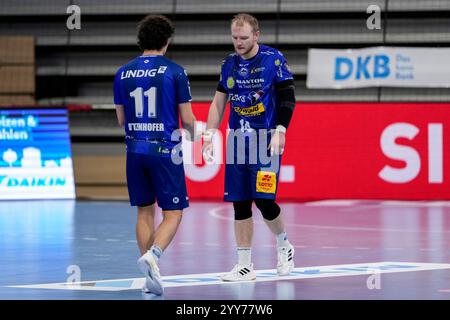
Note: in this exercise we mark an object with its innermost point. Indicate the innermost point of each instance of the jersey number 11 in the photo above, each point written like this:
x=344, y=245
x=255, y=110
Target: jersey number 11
x=139, y=105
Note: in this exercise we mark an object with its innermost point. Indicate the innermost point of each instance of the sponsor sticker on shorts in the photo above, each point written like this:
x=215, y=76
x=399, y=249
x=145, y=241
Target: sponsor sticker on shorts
x=266, y=182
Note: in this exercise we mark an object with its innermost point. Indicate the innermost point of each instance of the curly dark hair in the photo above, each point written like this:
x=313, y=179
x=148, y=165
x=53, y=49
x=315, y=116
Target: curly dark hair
x=154, y=31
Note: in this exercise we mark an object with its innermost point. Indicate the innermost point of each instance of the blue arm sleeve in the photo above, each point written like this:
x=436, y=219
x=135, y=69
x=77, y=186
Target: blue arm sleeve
x=182, y=87
x=118, y=99
x=282, y=69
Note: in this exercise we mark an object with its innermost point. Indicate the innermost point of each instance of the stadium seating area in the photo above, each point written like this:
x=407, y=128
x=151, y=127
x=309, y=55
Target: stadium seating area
x=77, y=66
x=17, y=70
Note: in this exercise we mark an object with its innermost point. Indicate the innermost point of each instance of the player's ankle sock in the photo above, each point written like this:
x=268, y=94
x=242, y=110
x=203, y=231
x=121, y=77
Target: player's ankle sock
x=156, y=252
x=282, y=239
x=244, y=255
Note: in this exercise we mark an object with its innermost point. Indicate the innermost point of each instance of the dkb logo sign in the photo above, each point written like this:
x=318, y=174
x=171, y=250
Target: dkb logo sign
x=363, y=67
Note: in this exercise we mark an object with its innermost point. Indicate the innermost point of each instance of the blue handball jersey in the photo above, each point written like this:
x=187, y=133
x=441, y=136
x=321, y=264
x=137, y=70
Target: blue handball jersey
x=250, y=85
x=150, y=89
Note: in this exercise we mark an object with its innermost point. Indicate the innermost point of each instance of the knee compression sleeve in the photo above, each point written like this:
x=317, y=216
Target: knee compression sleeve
x=269, y=209
x=242, y=209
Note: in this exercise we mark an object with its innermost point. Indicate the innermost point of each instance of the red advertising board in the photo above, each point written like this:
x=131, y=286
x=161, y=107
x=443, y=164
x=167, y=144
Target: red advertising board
x=351, y=151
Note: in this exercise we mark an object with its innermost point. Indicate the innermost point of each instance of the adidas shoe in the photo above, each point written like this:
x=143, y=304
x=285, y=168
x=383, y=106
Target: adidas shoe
x=240, y=273
x=285, y=263
x=153, y=282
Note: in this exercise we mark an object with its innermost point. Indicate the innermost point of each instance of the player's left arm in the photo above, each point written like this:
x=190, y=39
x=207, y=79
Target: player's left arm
x=184, y=98
x=120, y=114
x=118, y=100
x=188, y=119
x=285, y=91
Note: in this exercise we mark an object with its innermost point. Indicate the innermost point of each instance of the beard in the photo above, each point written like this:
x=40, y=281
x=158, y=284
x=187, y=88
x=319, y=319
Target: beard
x=247, y=51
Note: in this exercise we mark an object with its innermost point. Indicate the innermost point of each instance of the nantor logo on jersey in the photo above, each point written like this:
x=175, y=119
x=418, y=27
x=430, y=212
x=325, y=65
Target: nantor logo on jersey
x=250, y=81
x=250, y=111
x=251, y=84
x=142, y=73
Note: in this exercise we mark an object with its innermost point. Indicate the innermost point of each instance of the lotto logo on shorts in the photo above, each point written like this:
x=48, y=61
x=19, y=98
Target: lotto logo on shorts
x=266, y=182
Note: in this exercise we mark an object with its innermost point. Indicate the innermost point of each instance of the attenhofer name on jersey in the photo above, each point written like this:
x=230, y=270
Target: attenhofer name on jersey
x=146, y=126
x=250, y=83
x=142, y=73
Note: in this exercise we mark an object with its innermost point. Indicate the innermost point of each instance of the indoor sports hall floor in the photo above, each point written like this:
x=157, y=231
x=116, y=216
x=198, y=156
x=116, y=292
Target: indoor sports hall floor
x=344, y=250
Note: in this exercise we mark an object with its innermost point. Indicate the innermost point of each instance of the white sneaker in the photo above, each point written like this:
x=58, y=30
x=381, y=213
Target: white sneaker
x=285, y=263
x=240, y=273
x=153, y=282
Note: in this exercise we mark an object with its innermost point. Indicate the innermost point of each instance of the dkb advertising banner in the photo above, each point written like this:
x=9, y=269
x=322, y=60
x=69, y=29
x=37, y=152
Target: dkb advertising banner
x=378, y=66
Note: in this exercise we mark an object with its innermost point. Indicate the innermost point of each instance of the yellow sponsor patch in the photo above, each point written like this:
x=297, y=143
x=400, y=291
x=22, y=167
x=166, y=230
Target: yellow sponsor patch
x=230, y=83
x=266, y=182
x=251, y=111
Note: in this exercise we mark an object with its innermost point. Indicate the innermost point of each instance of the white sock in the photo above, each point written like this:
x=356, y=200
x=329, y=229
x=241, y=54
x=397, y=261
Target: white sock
x=156, y=252
x=282, y=240
x=244, y=255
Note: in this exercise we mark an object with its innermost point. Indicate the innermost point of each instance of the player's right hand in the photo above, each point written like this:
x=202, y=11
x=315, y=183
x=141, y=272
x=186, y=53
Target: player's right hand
x=208, y=151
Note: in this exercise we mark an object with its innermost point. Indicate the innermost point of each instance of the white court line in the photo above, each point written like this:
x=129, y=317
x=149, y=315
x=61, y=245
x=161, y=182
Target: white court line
x=331, y=203
x=377, y=203
x=262, y=276
x=415, y=203
x=215, y=214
